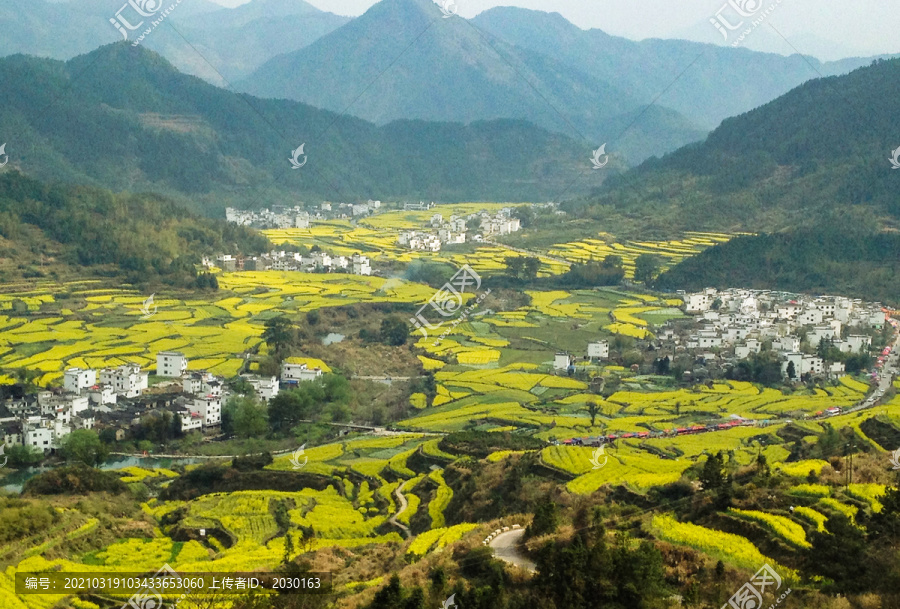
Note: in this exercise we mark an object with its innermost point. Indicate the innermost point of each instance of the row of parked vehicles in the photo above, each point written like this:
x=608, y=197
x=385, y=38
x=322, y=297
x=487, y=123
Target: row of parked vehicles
x=667, y=433
x=684, y=431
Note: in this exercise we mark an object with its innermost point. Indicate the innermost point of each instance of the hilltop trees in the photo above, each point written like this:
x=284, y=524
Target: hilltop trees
x=149, y=238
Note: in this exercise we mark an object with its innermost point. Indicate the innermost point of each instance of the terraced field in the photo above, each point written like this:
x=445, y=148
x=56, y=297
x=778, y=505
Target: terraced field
x=82, y=324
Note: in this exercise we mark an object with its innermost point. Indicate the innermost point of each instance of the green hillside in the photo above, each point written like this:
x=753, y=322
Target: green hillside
x=146, y=238
x=811, y=169
x=123, y=118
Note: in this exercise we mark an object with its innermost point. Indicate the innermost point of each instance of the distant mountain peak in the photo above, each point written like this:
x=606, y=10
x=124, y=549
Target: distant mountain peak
x=410, y=7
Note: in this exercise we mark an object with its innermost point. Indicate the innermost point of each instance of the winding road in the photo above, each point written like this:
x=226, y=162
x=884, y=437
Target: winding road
x=403, y=505
x=506, y=548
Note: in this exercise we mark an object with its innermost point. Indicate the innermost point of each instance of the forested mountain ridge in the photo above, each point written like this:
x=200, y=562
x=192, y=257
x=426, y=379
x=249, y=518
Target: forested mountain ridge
x=143, y=237
x=811, y=171
x=825, y=145
x=123, y=118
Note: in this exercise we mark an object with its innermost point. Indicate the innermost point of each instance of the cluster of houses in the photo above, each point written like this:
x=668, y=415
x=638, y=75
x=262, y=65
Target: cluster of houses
x=455, y=230
x=282, y=216
x=279, y=217
x=724, y=327
x=733, y=324
x=597, y=351
x=314, y=262
x=116, y=398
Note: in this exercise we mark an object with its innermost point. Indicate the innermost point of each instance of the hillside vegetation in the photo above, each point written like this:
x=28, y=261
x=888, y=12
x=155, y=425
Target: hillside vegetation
x=124, y=118
x=144, y=237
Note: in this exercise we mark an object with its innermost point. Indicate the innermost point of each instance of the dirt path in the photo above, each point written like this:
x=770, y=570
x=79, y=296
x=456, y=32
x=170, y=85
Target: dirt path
x=403, y=505
x=506, y=548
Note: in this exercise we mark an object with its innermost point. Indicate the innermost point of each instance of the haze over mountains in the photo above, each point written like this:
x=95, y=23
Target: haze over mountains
x=402, y=60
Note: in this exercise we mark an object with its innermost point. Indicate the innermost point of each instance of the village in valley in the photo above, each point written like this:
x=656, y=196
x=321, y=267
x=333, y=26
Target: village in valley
x=810, y=338
x=115, y=400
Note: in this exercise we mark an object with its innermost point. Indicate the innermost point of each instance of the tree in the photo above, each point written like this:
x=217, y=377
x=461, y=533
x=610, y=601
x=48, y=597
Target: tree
x=663, y=365
x=646, y=268
x=84, y=446
x=279, y=335
x=390, y=596
x=593, y=409
x=514, y=266
x=394, y=331
x=531, y=268
x=288, y=547
x=612, y=261
x=288, y=408
x=609, y=272
x=525, y=215
x=712, y=476
x=839, y=553
x=546, y=519
x=791, y=371
x=246, y=418
x=23, y=456
x=474, y=224
x=241, y=385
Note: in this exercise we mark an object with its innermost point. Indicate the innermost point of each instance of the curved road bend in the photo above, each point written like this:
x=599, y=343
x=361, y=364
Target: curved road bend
x=403, y=505
x=506, y=548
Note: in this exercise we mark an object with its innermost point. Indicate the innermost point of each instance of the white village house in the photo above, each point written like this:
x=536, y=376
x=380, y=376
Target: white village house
x=171, y=364
x=294, y=370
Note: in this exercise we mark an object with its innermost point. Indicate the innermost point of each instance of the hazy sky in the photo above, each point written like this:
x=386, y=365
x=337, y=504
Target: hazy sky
x=828, y=30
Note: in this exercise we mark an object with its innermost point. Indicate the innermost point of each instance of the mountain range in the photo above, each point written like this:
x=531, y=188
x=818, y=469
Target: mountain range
x=123, y=118
x=643, y=98
x=201, y=38
x=823, y=146
x=814, y=174
x=403, y=60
